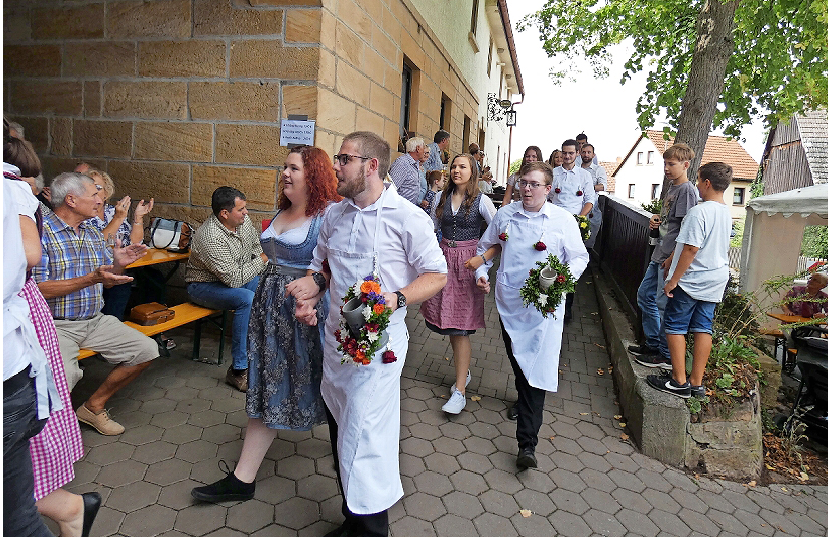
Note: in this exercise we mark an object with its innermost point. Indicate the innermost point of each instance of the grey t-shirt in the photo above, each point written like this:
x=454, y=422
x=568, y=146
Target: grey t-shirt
x=679, y=200
x=706, y=226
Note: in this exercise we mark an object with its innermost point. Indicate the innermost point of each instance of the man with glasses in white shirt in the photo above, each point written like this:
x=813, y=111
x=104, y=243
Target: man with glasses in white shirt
x=572, y=190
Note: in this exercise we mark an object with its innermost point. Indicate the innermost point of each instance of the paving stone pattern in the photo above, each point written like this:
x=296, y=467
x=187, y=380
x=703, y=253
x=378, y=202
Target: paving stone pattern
x=458, y=472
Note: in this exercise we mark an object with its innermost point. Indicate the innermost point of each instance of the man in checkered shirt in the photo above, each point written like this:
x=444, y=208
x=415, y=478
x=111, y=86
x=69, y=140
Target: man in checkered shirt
x=226, y=258
x=74, y=268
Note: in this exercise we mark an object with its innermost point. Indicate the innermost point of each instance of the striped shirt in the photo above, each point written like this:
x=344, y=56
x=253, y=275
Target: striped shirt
x=68, y=255
x=220, y=255
x=405, y=173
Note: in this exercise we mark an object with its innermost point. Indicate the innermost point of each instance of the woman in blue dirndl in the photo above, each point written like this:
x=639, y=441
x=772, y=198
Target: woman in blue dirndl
x=285, y=356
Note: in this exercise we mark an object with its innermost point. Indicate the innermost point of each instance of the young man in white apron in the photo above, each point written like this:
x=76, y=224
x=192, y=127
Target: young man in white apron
x=533, y=342
x=373, y=231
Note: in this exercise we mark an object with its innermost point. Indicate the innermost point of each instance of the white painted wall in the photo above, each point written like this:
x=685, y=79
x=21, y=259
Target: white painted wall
x=643, y=176
x=451, y=22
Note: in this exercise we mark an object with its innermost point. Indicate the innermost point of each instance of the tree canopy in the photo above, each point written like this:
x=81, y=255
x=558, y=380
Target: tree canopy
x=779, y=64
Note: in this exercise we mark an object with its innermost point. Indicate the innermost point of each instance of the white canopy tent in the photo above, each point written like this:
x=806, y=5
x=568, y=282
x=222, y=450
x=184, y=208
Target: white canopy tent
x=773, y=232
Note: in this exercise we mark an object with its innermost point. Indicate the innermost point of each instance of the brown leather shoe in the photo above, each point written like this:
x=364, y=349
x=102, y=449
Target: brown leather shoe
x=237, y=381
x=101, y=422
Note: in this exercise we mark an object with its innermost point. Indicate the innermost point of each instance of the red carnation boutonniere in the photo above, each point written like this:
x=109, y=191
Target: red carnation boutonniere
x=388, y=357
x=503, y=236
x=540, y=246
x=579, y=193
x=561, y=278
x=557, y=190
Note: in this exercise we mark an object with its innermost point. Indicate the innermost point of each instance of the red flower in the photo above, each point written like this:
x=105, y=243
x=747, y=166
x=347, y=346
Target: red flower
x=364, y=299
x=579, y=193
x=388, y=357
x=561, y=278
x=540, y=246
x=503, y=236
x=557, y=190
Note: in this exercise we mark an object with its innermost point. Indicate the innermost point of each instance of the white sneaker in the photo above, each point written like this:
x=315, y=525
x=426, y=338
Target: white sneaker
x=468, y=379
x=456, y=404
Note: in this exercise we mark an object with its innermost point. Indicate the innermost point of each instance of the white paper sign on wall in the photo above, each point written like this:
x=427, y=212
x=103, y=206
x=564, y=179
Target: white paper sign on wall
x=295, y=132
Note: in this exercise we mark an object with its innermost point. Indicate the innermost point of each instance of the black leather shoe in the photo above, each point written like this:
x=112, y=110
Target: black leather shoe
x=512, y=412
x=229, y=489
x=345, y=530
x=526, y=458
x=91, y=504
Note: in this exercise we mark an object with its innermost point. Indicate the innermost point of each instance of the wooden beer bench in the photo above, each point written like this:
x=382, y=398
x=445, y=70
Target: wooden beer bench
x=184, y=314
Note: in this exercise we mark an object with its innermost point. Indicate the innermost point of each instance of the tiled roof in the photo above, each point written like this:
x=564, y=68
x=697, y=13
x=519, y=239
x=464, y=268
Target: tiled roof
x=610, y=167
x=813, y=130
x=720, y=149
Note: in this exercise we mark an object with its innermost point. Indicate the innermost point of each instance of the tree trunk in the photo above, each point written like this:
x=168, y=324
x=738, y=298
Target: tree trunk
x=714, y=47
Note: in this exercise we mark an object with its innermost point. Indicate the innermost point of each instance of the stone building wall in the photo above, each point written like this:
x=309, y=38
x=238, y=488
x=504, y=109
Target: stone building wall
x=176, y=97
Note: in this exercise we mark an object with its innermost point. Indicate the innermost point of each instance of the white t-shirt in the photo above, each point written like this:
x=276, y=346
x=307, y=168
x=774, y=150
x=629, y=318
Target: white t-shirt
x=706, y=226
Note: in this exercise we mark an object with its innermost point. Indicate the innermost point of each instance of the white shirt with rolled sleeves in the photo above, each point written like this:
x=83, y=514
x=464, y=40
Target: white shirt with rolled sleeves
x=570, y=182
x=536, y=341
x=365, y=400
x=598, y=173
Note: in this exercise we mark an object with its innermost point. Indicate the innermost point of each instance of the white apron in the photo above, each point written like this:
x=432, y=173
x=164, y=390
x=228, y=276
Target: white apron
x=536, y=342
x=364, y=400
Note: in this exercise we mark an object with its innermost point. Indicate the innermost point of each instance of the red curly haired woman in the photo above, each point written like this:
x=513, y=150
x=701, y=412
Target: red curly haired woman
x=285, y=356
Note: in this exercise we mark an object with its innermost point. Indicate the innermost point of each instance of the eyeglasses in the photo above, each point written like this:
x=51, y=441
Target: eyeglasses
x=345, y=158
x=533, y=186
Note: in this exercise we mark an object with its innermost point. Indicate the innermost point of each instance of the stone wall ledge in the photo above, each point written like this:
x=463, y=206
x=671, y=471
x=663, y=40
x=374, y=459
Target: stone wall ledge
x=661, y=424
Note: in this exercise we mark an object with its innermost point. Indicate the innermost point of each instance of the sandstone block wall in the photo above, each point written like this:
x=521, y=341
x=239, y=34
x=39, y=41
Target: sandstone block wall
x=171, y=97
x=176, y=97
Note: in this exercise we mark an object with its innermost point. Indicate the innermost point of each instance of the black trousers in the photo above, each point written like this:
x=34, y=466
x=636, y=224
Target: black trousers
x=529, y=402
x=373, y=525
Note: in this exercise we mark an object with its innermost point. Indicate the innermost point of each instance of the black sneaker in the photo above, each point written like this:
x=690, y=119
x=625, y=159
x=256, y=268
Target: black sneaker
x=668, y=385
x=643, y=350
x=655, y=361
x=229, y=489
x=526, y=458
x=698, y=392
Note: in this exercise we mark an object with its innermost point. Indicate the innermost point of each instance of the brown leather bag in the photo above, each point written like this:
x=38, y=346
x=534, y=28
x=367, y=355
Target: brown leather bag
x=150, y=314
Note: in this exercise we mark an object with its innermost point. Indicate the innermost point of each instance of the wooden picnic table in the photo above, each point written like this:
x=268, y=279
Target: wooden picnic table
x=157, y=255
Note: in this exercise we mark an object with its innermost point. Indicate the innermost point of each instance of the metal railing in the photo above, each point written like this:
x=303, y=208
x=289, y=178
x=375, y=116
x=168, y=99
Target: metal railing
x=623, y=249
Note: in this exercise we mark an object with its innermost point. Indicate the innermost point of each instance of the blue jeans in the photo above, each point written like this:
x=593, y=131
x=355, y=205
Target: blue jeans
x=652, y=300
x=217, y=296
x=20, y=517
x=686, y=314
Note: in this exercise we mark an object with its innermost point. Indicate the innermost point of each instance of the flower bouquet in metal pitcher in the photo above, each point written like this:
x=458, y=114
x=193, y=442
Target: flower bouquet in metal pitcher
x=546, y=285
x=584, y=226
x=365, y=316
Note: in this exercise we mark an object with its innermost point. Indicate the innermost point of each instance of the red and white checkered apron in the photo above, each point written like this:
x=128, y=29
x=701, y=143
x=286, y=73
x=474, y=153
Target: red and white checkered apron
x=59, y=444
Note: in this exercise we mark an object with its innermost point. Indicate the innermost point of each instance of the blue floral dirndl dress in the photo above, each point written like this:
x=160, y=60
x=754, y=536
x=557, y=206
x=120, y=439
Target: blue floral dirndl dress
x=285, y=356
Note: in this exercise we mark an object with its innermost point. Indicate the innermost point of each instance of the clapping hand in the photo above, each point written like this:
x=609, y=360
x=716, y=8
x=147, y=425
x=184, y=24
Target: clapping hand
x=142, y=209
x=104, y=275
x=123, y=256
x=122, y=208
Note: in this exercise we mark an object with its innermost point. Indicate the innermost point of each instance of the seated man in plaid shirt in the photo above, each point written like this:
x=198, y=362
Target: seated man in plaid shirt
x=226, y=258
x=74, y=268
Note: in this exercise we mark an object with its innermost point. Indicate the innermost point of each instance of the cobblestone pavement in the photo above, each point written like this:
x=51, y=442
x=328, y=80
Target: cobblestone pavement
x=458, y=472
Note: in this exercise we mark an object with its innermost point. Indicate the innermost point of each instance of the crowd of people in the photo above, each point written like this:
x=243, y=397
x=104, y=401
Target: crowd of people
x=421, y=230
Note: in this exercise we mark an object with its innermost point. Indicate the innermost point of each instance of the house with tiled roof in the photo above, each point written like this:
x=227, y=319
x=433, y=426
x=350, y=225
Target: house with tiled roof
x=796, y=153
x=610, y=166
x=638, y=177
